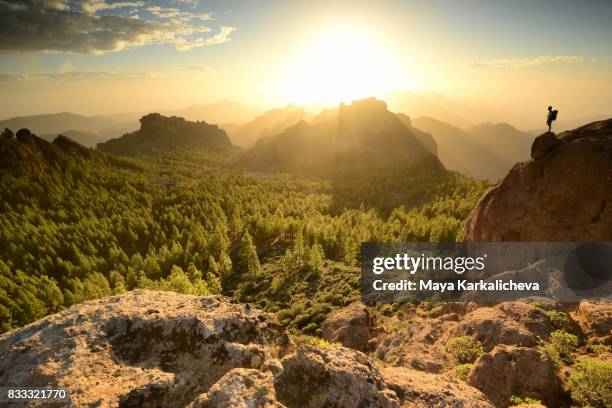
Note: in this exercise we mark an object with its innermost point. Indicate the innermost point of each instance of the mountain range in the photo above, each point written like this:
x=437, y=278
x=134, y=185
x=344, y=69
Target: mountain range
x=486, y=151
x=364, y=132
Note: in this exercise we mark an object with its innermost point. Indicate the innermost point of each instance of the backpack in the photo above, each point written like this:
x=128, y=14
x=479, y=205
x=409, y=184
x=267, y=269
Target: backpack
x=553, y=115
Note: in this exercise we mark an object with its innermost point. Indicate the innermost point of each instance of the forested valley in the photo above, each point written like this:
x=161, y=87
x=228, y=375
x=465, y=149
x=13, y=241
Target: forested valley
x=181, y=220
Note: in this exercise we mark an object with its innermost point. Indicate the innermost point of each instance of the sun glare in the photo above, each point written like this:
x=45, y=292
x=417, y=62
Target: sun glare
x=340, y=65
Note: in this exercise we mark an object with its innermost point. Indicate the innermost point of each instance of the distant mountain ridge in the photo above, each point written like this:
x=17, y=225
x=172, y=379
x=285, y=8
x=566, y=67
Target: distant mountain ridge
x=161, y=132
x=267, y=124
x=86, y=130
x=486, y=151
x=362, y=133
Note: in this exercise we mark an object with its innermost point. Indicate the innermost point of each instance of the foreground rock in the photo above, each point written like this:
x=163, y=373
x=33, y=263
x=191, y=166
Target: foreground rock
x=162, y=349
x=508, y=371
x=331, y=377
x=565, y=195
x=417, y=389
x=141, y=348
x=349, y=326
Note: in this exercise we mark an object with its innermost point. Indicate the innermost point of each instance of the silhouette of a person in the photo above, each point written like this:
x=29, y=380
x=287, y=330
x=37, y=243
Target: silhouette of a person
x=552, y=115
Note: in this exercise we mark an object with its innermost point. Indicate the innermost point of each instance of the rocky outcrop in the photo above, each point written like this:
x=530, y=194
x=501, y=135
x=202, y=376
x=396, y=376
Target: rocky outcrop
x=161, y=132
x=332, y=377
x=28, y=154
x=417, y=389
x=163, y=349
x=544, y=144
x=67, y=145
x=349, y=326
x=140, y=349
x=508, y=371
x=564, y=195
x=596, y=319
x=490, y=326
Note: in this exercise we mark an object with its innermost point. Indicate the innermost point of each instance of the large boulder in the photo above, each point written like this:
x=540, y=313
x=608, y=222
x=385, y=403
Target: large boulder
x=566, y=195
x=520, y=371
x=349, y=326
x=332, y=377
x=143, y=348
x=417, y=389
x=596, y=318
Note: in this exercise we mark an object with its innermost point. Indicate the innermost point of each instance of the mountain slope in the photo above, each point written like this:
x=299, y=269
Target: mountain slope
x=160, y=132
x=363, y=133
x=486, y=151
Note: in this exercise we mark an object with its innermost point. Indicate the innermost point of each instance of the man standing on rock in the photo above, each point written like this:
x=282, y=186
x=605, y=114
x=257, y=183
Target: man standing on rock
x=552, y=116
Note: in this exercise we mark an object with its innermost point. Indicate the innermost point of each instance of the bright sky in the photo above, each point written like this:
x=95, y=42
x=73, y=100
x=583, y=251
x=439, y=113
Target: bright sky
x=106, y=56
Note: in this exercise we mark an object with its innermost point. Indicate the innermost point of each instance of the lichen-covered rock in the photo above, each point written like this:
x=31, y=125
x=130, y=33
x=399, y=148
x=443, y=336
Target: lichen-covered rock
x=349, y=326
x=240, y=388
x=564, y=196
x=142, y=348
x=332, y=377
x=417, y=389
x=508, y=371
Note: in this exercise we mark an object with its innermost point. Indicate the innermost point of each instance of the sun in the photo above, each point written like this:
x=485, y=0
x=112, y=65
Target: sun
x=340, y=65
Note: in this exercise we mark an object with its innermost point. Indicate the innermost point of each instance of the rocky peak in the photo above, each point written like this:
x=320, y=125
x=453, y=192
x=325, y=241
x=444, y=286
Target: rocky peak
x=563, y=194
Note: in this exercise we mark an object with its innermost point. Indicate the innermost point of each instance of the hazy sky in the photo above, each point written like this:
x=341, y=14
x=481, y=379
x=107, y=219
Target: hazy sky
x=105, y=56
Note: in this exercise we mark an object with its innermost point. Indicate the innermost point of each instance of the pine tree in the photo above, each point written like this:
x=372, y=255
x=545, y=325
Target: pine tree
x=248, y=254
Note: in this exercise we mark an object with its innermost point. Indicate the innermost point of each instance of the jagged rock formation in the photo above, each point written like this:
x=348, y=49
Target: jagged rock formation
x=28, y=155
x=363, y=133
x=564, y=195
x=161, y=132
x=162, y=349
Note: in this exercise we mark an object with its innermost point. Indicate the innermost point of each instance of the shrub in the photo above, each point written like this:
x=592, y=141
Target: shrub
x=387, y=310
x=316, y=342
x=601, y=349
x=561, y=320
x=514, y=400
x=462, y=371
x=591, y=383
x=561, y=346
x=464, y=349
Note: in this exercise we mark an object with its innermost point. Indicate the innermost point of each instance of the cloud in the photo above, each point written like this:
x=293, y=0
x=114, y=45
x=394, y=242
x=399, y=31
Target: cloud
x=527, y=62
x=77, y=26
x=95, y=6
